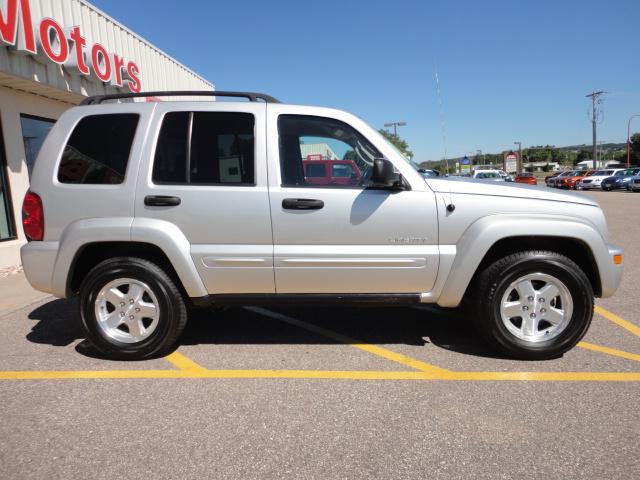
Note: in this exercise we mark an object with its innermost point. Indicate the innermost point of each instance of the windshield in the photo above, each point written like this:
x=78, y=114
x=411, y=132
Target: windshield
x=603, y=172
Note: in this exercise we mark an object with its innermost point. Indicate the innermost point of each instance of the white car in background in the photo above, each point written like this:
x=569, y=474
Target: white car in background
x=596, y=179
x=491, y=175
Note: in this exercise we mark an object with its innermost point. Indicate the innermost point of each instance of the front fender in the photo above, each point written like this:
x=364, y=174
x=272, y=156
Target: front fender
x=478, y=239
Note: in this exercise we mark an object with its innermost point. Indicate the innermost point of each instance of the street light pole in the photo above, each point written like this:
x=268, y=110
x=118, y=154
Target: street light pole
x=629, y=138
x=519, y=166
x=395, y=126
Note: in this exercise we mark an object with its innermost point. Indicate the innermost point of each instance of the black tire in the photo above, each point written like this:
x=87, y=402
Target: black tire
x=492, y=283
x=172, y=312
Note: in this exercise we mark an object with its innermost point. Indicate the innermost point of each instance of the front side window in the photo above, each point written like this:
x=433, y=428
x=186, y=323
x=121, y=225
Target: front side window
x=98, y=150
x=34, y=131
x=205, y=148
x=323, y=152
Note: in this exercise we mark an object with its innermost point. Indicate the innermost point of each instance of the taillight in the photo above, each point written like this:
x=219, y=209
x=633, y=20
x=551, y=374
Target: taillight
x=33, y=216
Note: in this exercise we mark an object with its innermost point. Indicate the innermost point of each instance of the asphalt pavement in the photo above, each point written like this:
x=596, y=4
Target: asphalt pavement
x=323, y=393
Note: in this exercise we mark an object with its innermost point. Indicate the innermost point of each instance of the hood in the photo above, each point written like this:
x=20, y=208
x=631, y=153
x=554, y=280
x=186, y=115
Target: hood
x=506, y=189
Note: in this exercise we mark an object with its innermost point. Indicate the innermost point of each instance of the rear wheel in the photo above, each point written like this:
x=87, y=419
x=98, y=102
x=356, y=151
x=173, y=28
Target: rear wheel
x=533, y=305
x=131, y=309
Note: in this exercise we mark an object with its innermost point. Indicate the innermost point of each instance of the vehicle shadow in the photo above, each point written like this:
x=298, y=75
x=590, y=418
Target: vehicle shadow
x=58, y=324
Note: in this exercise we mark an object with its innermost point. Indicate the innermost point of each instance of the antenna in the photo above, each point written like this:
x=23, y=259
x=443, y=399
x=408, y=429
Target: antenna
x=442, y=127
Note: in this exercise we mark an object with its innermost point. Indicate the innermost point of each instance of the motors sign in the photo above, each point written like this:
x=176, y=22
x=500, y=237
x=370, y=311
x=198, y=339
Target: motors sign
x=48, y=41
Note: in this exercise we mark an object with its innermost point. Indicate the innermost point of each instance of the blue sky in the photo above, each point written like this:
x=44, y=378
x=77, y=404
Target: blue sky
x=509, y=70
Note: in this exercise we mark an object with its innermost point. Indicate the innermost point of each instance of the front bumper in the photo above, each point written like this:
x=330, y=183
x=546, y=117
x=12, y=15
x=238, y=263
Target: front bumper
x=610, y=273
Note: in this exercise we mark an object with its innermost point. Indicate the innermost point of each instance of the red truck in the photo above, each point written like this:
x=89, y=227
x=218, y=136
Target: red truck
x=331, y=172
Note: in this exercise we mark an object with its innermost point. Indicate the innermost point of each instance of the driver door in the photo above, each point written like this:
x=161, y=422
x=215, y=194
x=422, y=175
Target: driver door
x=335, y=236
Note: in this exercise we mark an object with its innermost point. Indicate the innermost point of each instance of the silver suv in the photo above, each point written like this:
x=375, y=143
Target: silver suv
x=145, y=209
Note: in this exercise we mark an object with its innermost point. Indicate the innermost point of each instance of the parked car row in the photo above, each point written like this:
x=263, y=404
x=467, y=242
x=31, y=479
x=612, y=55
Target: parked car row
x=605, y=179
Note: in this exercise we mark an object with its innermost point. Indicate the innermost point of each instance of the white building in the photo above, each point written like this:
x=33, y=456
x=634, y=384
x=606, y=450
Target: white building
x=53, y=53
x=599, y=164
x=321, y=149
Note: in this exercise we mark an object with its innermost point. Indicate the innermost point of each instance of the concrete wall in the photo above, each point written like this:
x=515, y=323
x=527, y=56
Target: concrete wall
x=12, y=104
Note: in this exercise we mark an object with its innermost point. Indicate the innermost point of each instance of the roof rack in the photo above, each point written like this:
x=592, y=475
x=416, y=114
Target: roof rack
x=252, y=96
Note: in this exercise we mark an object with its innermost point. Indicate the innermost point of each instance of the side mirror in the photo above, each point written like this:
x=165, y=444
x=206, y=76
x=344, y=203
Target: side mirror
x=384, y=176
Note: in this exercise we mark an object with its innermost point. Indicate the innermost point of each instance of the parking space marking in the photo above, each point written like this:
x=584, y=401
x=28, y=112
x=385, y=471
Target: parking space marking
x=182, y=362
x=609, y=351
x=367, y=347
x=618, y=320
x=325, y=374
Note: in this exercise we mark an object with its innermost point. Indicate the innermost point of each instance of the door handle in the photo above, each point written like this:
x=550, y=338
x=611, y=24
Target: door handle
x=161, y=201
x=302, y=204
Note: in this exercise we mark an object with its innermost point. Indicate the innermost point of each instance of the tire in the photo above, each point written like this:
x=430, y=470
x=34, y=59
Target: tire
x=497, y=300
x=116, y=295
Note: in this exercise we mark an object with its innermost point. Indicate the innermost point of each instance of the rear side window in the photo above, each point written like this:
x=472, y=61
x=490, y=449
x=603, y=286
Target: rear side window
x=98, y=150
x=205, y=148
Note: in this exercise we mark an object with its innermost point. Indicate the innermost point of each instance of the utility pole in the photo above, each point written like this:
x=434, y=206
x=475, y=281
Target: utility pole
x=629, y=139
x=595, y=101
x=395, y=126
x=519, y=166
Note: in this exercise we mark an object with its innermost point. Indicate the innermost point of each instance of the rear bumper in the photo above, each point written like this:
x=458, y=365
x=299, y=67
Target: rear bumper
x=38, y=261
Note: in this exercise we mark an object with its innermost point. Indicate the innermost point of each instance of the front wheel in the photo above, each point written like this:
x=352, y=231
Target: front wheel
x=131, y=309
x=533, y=305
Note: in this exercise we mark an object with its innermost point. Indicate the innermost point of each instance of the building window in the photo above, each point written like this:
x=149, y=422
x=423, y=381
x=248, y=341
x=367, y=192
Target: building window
x=7, y=229
x=34, y=131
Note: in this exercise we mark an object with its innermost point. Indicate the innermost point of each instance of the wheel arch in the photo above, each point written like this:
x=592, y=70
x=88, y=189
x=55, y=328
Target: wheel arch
x=485, y=242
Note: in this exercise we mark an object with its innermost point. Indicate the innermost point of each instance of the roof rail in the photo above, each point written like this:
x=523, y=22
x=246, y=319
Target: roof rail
x=252, y=96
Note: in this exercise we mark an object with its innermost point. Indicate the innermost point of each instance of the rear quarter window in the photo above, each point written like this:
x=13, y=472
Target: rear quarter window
x=98, y=150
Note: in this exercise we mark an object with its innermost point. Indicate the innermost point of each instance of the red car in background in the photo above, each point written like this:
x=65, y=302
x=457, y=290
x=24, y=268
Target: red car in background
x=572, y=181
x=331, y=172
x=528, y=178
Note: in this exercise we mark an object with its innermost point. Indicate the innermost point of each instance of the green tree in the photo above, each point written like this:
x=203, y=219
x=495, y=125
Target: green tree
x=400, y=144
x=349, y=155
x=635, y=149
x=582, y=155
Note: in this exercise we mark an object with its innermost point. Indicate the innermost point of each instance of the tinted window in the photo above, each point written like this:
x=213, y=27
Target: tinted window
x=306, y=138
x=98, y=150
x=206, y=148
x=170, y=164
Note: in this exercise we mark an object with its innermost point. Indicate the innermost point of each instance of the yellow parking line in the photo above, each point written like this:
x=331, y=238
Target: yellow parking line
x=617, y=320
x=325, y=374
x=374, y=349
x=181, y=362
x=610, y=351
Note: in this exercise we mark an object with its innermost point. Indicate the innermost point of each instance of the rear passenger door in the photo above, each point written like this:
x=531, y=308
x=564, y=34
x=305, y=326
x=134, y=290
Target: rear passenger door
x=210, y=162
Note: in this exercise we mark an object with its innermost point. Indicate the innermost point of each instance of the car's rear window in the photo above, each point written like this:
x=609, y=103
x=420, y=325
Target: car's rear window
x=98, y=150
